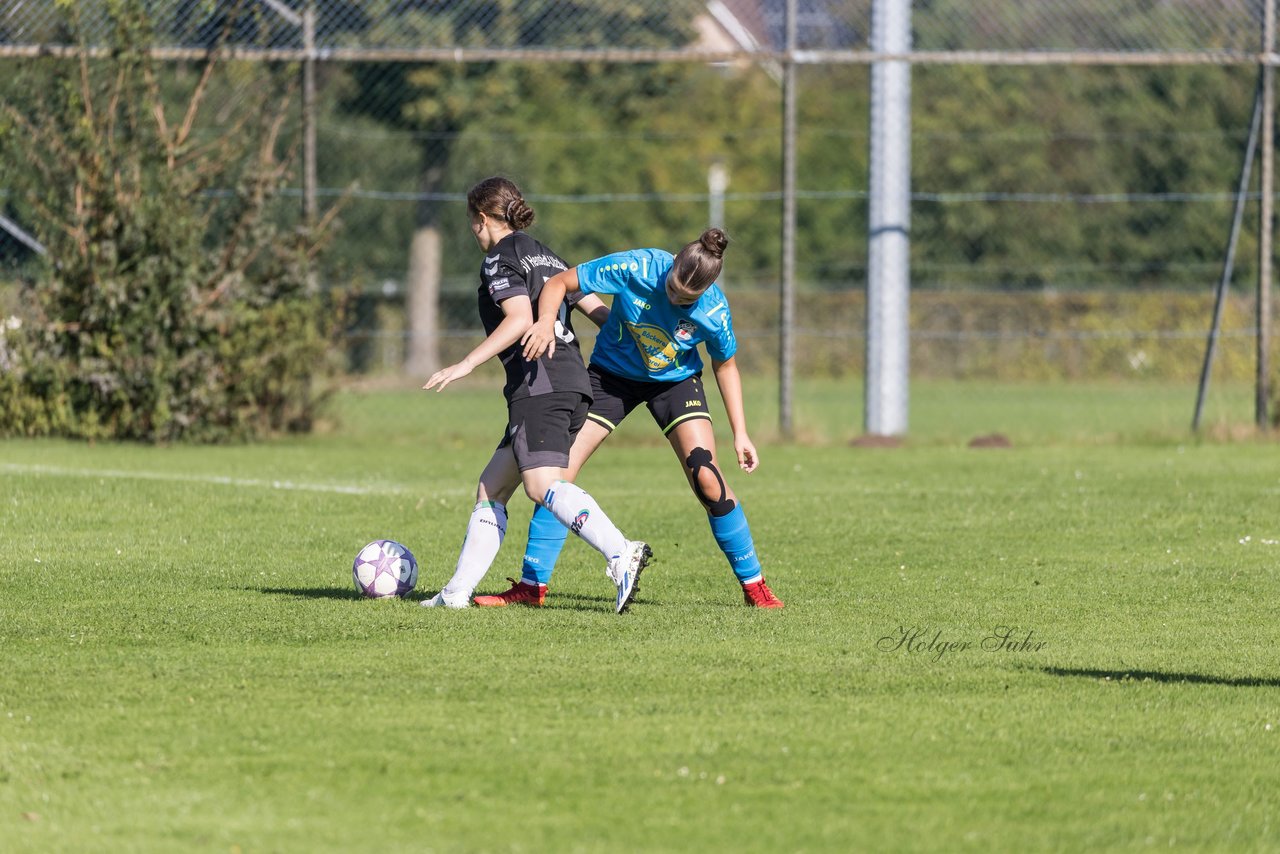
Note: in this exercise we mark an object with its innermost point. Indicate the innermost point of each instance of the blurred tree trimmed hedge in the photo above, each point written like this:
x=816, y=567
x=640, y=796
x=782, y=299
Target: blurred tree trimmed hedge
x=166, y=312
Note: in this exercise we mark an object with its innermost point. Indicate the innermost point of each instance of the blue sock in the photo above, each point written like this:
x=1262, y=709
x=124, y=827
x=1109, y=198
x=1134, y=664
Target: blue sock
x=733, y=535
x=546, y=539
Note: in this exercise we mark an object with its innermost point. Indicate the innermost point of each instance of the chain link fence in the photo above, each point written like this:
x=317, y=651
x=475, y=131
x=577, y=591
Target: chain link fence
x=1211, y=28
x=1074, y=164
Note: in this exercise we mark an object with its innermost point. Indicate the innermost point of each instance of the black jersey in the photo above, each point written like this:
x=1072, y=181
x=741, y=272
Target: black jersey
x=519, y=266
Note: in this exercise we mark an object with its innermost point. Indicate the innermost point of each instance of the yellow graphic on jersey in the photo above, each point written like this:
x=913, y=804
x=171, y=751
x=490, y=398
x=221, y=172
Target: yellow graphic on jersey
x=655, y=345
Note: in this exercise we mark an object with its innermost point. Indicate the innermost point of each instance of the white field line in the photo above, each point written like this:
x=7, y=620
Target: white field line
x=217, y=480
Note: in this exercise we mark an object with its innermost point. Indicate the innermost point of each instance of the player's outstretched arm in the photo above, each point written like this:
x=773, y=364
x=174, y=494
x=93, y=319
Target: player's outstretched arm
x=594, y=308
x=541, y=337
x=730, y=382
x=518, y=317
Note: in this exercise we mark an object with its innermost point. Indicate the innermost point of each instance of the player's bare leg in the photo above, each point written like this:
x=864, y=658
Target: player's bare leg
x=695, y=440
x=586, y=443
x=694, y=443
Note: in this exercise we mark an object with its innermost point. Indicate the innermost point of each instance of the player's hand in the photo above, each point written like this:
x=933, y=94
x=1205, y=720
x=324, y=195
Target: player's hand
x=444, y=376
x=540, y=338
x=746, y=451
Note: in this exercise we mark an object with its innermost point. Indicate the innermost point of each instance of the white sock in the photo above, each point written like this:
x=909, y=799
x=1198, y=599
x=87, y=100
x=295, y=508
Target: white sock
x=580, y=513
x=485, y=530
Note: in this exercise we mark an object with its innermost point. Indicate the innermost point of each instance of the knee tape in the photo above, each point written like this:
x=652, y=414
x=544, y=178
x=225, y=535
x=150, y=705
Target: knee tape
x=721, y=505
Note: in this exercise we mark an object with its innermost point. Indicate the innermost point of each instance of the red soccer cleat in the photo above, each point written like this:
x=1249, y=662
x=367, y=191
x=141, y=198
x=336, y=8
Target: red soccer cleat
x=519, y=594
x=757, y=594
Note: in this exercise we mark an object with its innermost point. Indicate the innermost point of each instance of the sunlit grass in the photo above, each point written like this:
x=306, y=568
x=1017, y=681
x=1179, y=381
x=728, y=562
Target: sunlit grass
x=186, y=665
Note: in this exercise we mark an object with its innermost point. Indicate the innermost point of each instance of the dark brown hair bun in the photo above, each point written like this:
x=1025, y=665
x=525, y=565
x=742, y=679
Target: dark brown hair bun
x=500, y=198
x=714, y=240
x=696, y=266
x=519, y=214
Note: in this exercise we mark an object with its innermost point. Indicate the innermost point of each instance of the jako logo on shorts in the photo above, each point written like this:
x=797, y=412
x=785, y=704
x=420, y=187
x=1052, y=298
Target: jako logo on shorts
x=579, y=521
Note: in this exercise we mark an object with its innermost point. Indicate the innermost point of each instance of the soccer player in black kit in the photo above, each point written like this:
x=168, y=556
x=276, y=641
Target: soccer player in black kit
x=547, y=401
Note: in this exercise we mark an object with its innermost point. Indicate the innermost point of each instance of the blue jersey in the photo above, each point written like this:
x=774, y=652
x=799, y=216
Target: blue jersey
x=646, y=337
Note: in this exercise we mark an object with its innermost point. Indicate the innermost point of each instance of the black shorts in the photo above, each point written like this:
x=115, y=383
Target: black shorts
x=541, y=428
x=613, y=398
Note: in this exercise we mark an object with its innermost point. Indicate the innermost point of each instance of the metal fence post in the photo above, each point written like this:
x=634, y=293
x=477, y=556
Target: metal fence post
x=787, y=307
x=1229, y=264
x=1266, y=216
x=310, y=208
x=889, y=219
x=717, y=183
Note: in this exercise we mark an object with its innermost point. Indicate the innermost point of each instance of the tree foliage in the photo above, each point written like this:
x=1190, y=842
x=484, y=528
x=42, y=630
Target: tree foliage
x=173, y=305
x=617, y=155
x=640, y=140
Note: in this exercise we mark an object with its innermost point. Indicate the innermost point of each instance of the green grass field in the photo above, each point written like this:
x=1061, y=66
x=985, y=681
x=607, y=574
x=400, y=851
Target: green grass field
x=186, y=667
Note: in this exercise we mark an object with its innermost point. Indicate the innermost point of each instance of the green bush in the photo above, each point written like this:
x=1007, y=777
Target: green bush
x=174, y=305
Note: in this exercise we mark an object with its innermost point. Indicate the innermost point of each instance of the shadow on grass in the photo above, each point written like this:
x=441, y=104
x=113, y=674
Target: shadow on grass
x=307, y=592
x=588, y=604
x=561, y=601
x=1162, y=676
x=556, y=602
x=579, y=602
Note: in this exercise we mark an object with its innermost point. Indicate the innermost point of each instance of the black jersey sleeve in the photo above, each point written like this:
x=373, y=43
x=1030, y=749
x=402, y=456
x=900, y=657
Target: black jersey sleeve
x=502, y=276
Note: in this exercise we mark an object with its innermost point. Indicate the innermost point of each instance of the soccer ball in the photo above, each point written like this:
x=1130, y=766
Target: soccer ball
x=384, y=568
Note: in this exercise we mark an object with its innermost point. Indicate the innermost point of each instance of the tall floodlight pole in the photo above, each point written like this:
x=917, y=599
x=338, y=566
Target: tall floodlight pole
x=889, y=220
x=787, y=303
x=1266, y=213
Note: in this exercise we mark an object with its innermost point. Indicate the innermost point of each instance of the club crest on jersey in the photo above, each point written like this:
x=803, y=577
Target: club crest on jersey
x=655, y=346
x=685, y=330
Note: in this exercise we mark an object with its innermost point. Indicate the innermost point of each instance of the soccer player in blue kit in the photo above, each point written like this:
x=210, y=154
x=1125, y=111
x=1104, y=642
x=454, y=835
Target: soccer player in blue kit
x=664, y=306
x=547, y=398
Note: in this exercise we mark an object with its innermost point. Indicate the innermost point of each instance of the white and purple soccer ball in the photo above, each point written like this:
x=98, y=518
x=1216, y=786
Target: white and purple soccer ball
x=383, y=569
